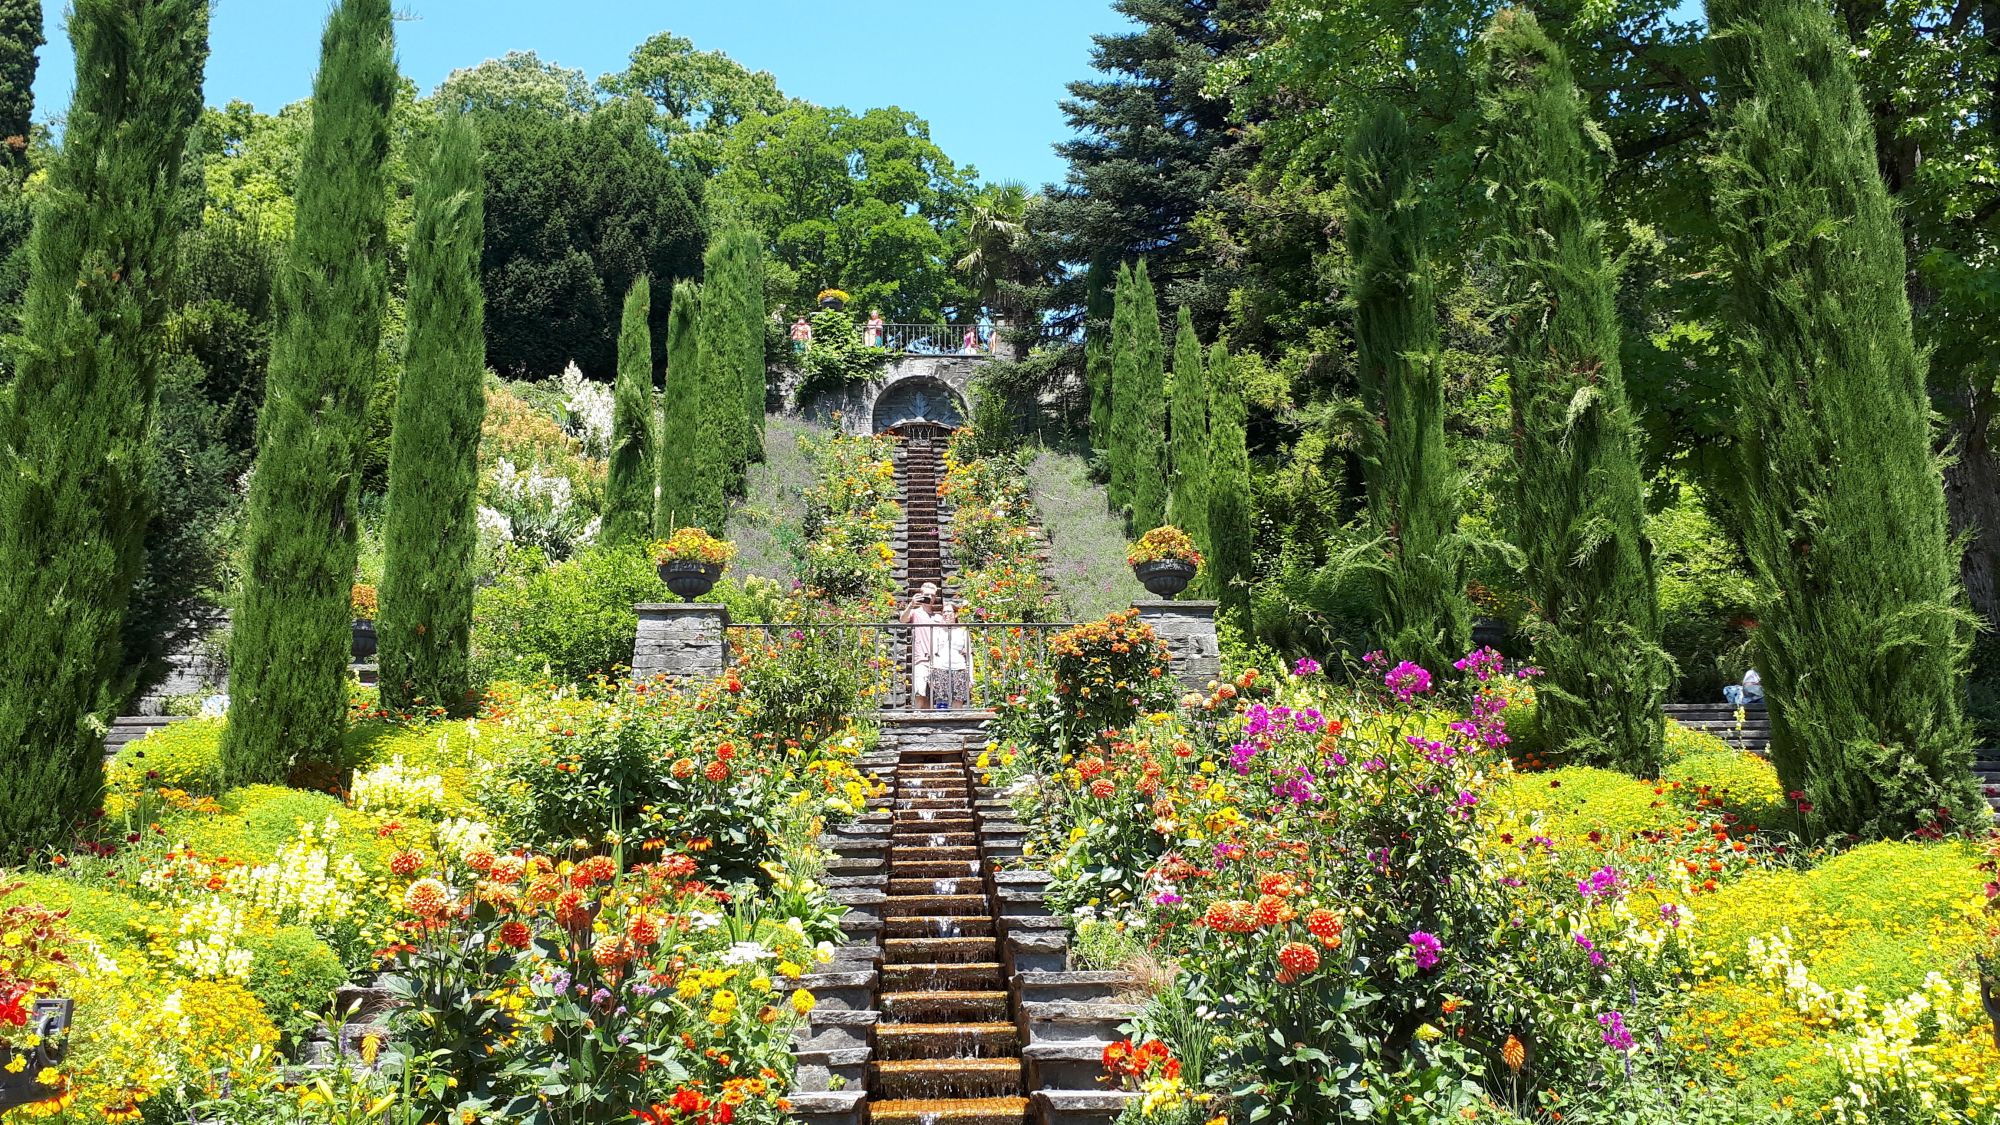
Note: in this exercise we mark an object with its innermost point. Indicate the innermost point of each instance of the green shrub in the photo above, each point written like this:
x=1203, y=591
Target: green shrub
x=294, y=975
x=1744, y=783
x=570, y=621
x=257, y=820
x=1578, y=800
x=185, y=756
x=116, y=922
x=1884, y=915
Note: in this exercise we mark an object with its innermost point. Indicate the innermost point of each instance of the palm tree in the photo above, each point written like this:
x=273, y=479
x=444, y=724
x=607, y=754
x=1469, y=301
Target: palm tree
x=997, y=236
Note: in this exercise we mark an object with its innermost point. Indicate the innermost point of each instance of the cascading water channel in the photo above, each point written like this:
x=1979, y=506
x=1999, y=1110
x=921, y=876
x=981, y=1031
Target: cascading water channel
x=947, y=1049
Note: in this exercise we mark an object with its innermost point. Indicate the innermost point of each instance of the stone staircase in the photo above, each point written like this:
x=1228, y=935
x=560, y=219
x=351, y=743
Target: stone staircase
x=1719, y=719
x=951, y=1001
x=920, y=539
x=1986, y=769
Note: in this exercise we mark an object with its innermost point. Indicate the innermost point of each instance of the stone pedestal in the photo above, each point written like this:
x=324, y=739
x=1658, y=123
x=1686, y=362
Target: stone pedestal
x=681, y=641
x=1188, y=629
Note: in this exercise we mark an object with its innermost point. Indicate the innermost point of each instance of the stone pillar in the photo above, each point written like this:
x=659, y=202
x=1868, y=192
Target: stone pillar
x=681, y=641
x=1188, y=629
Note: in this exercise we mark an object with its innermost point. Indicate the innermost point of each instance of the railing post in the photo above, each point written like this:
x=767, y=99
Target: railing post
x=1188, y=630
x=681, y=641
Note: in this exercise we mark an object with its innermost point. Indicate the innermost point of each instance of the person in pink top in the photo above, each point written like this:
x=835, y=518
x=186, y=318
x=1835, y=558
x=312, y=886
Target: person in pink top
x=922, y=612
x=802, y=336
x=872, y=336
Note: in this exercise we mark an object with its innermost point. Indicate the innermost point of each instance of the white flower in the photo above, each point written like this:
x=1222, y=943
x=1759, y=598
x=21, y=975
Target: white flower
x=746, y=953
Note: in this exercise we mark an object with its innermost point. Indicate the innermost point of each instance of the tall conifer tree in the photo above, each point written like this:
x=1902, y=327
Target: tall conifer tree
x=1187, y=503
x=289, y=650
x=1230, y=518
x=730, y=335
x=430, y=534
x=1124, y=363
x=691, y=472
x=1420, y=602
x=1097, y=349
x=1862, y=635
x=73, y=424
x=1581, y=500
x=1148, y=418
x=631, y=477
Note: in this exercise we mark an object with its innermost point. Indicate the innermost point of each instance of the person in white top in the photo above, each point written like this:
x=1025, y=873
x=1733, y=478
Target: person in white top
x=1751, y=690
x=922, y=611
x=951, y=662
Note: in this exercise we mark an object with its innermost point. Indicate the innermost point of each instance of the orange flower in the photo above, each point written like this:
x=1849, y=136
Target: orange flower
x=1103, y=788
x=596, y=869
x=644, y=930
x=480, y=859
x=515, y=935
x=683, y=768
x=1513, y=1054
x=427, y=898
x=717, y=771
x=405, y=864
x=1297, y=959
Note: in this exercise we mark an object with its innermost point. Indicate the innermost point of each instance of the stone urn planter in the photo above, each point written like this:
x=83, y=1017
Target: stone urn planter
x=364, y=641
x=689, y=579
x=49, y=1020
x=1989, y=994
x=1164, y=578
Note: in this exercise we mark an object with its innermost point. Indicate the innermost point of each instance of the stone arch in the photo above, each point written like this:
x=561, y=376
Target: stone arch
x=917, y=399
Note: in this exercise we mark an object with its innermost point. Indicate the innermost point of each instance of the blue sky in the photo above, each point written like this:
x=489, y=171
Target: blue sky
x=988, y=86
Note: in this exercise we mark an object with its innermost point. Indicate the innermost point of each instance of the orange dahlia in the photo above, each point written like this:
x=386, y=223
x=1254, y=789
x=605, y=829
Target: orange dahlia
x=1102, y=788
x=405, y=863
x=515, y=935
x=1298, y=958
x=717, y=771
x=427, y=898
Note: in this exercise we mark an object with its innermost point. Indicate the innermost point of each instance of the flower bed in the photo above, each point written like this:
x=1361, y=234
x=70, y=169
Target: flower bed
x=992, y=533
x=585, y=903
x=843, y=553
x=1362, y=910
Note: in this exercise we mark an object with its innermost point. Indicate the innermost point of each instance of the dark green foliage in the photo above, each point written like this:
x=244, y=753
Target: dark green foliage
x=20, y=38
x=1581, y=513
x=73, y=425
x=1187, y=504
x=1230, y=517
x=1138, y=412
x=576, y=211
x=571, y=621
x=729, y=336
x=1862, y=637
x=691, y=468
x=1124, y=375
x=1413, y=485
x=1097, y=350
x=428, y=540
x=290, y=640
x=1153, y=142
x=631, y=478
x=837, y=356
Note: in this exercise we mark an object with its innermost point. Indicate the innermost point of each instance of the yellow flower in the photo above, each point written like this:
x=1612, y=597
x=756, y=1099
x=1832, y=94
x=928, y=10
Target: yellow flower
x=803, y=1002
x=17, y=1064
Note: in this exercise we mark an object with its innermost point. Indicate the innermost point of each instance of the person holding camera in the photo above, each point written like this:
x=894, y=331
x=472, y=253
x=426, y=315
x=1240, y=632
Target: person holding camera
x=922, y=612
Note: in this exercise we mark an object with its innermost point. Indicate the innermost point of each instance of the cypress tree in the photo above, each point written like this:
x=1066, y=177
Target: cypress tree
x=20, y=39
x=629, y=485
x=1581, y=500
x=1862, y=636
x=690, y=465
x=430, y=533
x=1148, y=440
x=1420, y=603
x=730, y=335
x=73, y=424
x=1187, y=504
x=288, y=654
x=1124, y=363
x=1097, y=349
x=1229, y=513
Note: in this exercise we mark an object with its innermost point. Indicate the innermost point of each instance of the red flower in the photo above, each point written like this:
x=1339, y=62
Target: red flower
x=515, y=935
x=717, y=771
x=1102, y=788
x=405, y=864
x=1296, y=959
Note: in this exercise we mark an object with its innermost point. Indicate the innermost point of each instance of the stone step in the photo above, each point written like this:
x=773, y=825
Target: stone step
x=910, y=951
x=959, y=976
x=937, y=926
x=936, y=906
x=947, y=1078
x=977, y=1111
x=947, y=1040
x=941, y=1006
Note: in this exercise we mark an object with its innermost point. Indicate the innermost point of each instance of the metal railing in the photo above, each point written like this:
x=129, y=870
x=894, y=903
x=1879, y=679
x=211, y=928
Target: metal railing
x=974, y=663
x=931, y=339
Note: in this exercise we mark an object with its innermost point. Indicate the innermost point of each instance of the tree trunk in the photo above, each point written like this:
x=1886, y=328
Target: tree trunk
x=1972, y=485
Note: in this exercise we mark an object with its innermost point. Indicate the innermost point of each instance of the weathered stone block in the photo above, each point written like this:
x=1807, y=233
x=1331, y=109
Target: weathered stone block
x=680, y=641
x=1188, y=631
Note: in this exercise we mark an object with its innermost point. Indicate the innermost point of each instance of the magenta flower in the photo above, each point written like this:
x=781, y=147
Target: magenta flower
x=1425, y=948
x=1615, y=1036
x=1407, y=681
x=1483, y=663
x=1306, y=666
x=1604, y=883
